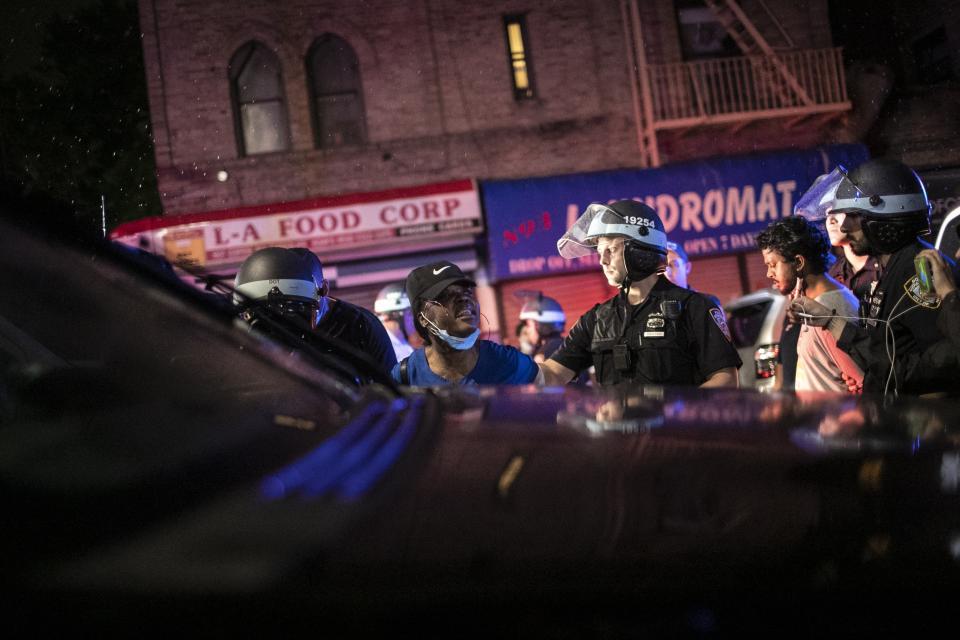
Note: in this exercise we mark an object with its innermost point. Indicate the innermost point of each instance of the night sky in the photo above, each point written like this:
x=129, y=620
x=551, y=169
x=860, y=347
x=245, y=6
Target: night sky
x=21, y=30
x=868, y=30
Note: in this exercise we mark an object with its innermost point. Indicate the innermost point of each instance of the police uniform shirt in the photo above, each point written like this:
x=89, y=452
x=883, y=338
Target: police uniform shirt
x=914, y=332
x=858, y=282
x=653, y=342
x=360, y=329
x=949, y=320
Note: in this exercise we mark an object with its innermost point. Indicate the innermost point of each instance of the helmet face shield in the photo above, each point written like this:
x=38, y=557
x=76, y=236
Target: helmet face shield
x=576, y=242
x=600, y=220
x=820, y=198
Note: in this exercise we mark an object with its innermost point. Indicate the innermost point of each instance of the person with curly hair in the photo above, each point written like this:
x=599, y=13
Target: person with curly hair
x=797, y=256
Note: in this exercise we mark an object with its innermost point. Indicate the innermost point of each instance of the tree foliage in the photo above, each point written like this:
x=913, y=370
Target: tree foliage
x=77, y=126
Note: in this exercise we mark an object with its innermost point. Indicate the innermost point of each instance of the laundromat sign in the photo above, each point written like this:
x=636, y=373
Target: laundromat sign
x=324, y=225
x=711, y=207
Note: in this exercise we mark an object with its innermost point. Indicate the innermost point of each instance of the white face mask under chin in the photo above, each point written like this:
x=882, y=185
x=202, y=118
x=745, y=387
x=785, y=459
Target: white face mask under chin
x=460, y=344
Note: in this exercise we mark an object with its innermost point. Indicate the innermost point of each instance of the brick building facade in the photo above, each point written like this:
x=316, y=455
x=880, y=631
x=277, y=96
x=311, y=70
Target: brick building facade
x=601, y=83
x=437, y=95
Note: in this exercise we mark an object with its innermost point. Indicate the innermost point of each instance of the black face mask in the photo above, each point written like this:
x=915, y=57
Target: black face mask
x=641, y=263
x=888, y=236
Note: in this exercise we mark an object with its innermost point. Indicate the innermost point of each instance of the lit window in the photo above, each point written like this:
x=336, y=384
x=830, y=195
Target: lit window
x=337, y=96
x=259, y=105
x=521, y=70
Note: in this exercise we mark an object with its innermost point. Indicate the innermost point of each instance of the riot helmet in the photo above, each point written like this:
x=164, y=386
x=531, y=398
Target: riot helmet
x=393, y=305
x=288, y=281
x=891, y=201
x=645, y=240
x=547, y=313
x=391, y=299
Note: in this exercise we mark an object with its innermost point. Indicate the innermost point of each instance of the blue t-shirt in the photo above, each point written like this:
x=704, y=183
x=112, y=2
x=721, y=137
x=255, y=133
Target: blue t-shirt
x=496, y=364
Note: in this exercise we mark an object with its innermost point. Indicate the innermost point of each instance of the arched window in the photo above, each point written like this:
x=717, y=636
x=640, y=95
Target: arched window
x=336, y=94
x=259, y=104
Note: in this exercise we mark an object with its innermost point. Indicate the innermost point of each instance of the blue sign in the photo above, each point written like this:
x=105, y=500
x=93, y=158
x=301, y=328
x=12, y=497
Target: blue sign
x=710, y=207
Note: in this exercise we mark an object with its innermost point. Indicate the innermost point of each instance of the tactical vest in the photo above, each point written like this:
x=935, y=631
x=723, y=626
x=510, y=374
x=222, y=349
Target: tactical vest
x=651, y=347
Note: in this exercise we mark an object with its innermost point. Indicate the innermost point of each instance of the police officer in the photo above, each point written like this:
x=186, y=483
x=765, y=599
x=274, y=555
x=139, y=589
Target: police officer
x=886, y=207
x=678, y=269
x=546, y=321
x=852, y=270
x=652, y=331
x=290, y=283
x=392, y=306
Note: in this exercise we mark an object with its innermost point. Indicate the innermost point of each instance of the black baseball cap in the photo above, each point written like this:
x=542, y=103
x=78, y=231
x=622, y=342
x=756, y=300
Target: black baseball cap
x=428, y=281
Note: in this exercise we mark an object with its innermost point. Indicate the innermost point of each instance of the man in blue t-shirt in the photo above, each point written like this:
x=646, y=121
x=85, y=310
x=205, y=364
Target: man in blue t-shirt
x=446, y=314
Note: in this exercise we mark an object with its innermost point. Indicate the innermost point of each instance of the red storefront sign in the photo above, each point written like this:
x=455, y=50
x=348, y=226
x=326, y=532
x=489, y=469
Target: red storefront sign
x=323, y=225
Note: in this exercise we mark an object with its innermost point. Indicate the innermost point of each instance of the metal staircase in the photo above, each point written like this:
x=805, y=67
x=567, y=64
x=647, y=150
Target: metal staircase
x=768, y=66
x=771, y=80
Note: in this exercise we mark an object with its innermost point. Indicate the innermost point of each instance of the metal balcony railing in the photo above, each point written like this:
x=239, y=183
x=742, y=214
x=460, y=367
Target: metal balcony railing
x=727, y=90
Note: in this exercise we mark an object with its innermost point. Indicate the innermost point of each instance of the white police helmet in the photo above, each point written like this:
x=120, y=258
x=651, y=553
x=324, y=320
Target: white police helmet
x=390, y=299
x=634, y=221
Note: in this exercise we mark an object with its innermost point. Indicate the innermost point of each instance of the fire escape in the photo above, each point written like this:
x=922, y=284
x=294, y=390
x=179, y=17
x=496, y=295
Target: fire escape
x=764, y=82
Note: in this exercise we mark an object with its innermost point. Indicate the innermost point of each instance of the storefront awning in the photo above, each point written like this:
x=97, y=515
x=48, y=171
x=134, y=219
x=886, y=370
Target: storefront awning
x=338, y=229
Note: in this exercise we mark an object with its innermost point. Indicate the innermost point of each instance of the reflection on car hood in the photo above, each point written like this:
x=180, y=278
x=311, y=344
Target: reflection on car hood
x=522, y=494
x=696, y=415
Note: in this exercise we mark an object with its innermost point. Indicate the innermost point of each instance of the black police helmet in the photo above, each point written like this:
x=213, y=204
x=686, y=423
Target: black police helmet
x=279, y=273
x=891, y=201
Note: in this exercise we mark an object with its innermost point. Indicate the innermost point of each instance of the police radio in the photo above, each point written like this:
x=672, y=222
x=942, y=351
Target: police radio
x=671, y=309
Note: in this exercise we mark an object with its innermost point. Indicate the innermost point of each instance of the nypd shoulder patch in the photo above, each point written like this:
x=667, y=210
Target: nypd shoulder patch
x=915, y=293
x=721, y=320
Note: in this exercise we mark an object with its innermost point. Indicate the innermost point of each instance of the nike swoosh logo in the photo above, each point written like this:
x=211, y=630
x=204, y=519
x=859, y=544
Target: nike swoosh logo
x=437, y=272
